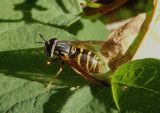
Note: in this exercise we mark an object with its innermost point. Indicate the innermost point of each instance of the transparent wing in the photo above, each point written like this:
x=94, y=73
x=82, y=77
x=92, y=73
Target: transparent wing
x=94, y=46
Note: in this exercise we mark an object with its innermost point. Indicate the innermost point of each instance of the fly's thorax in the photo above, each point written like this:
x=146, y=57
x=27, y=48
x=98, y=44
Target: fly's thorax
x=62, y=48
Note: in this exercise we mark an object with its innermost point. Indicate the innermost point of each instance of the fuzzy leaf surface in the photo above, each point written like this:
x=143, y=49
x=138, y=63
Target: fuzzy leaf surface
x=24, y=75
x=58, y=13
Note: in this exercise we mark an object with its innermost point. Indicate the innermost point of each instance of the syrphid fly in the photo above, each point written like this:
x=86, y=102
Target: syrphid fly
x=80, y=55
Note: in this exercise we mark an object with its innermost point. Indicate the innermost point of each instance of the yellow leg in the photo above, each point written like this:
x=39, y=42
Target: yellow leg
x=60, y=69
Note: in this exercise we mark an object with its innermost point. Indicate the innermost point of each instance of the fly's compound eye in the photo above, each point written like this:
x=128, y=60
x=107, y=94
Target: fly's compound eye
x=48, y=48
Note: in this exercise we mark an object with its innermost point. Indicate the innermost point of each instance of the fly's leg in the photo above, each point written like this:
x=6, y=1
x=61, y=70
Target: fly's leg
x=60, y=69
x=50, y=62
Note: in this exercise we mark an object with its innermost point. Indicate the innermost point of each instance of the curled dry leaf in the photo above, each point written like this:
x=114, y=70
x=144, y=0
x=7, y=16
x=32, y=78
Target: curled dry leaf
x=116, y=50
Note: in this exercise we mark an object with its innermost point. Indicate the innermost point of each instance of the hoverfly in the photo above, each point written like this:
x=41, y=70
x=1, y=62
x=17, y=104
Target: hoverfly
x=76, y=53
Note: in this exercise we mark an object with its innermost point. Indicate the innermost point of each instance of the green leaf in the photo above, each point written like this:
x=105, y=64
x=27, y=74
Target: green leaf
x=21, y=56
x=59, y=13
x=22, y=61
x=18, y=95
x=24, y=75
x=89, y=30
x=24, y=37
x=93, y=99
x=135, y=86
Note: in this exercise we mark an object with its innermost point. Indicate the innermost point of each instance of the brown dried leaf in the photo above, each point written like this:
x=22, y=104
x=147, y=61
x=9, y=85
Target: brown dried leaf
x=115, y=51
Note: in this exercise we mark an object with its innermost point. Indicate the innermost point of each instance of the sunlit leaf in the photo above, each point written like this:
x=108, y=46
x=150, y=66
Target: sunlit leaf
x=58, y=13
x=136, y=88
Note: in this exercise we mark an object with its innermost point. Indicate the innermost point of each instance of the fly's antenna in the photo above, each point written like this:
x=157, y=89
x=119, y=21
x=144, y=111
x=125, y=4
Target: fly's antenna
x=40, y=42
x=42, y=37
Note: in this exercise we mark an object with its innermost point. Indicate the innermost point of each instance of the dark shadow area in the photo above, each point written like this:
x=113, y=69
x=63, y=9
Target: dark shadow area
x=104, y=95
x=26, y=9
x=74, y=28
x=60, y=3
x=5, y=20
x=57, y=100
x=30, y=64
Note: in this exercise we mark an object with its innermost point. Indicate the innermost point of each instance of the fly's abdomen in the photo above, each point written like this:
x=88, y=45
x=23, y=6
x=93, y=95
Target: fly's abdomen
x=87, y=60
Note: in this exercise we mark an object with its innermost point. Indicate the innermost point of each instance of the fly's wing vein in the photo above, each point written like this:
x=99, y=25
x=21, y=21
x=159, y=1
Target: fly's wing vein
x=94, y=46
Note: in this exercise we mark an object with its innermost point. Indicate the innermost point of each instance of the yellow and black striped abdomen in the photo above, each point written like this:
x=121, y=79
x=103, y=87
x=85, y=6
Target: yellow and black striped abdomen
x=86, y=60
